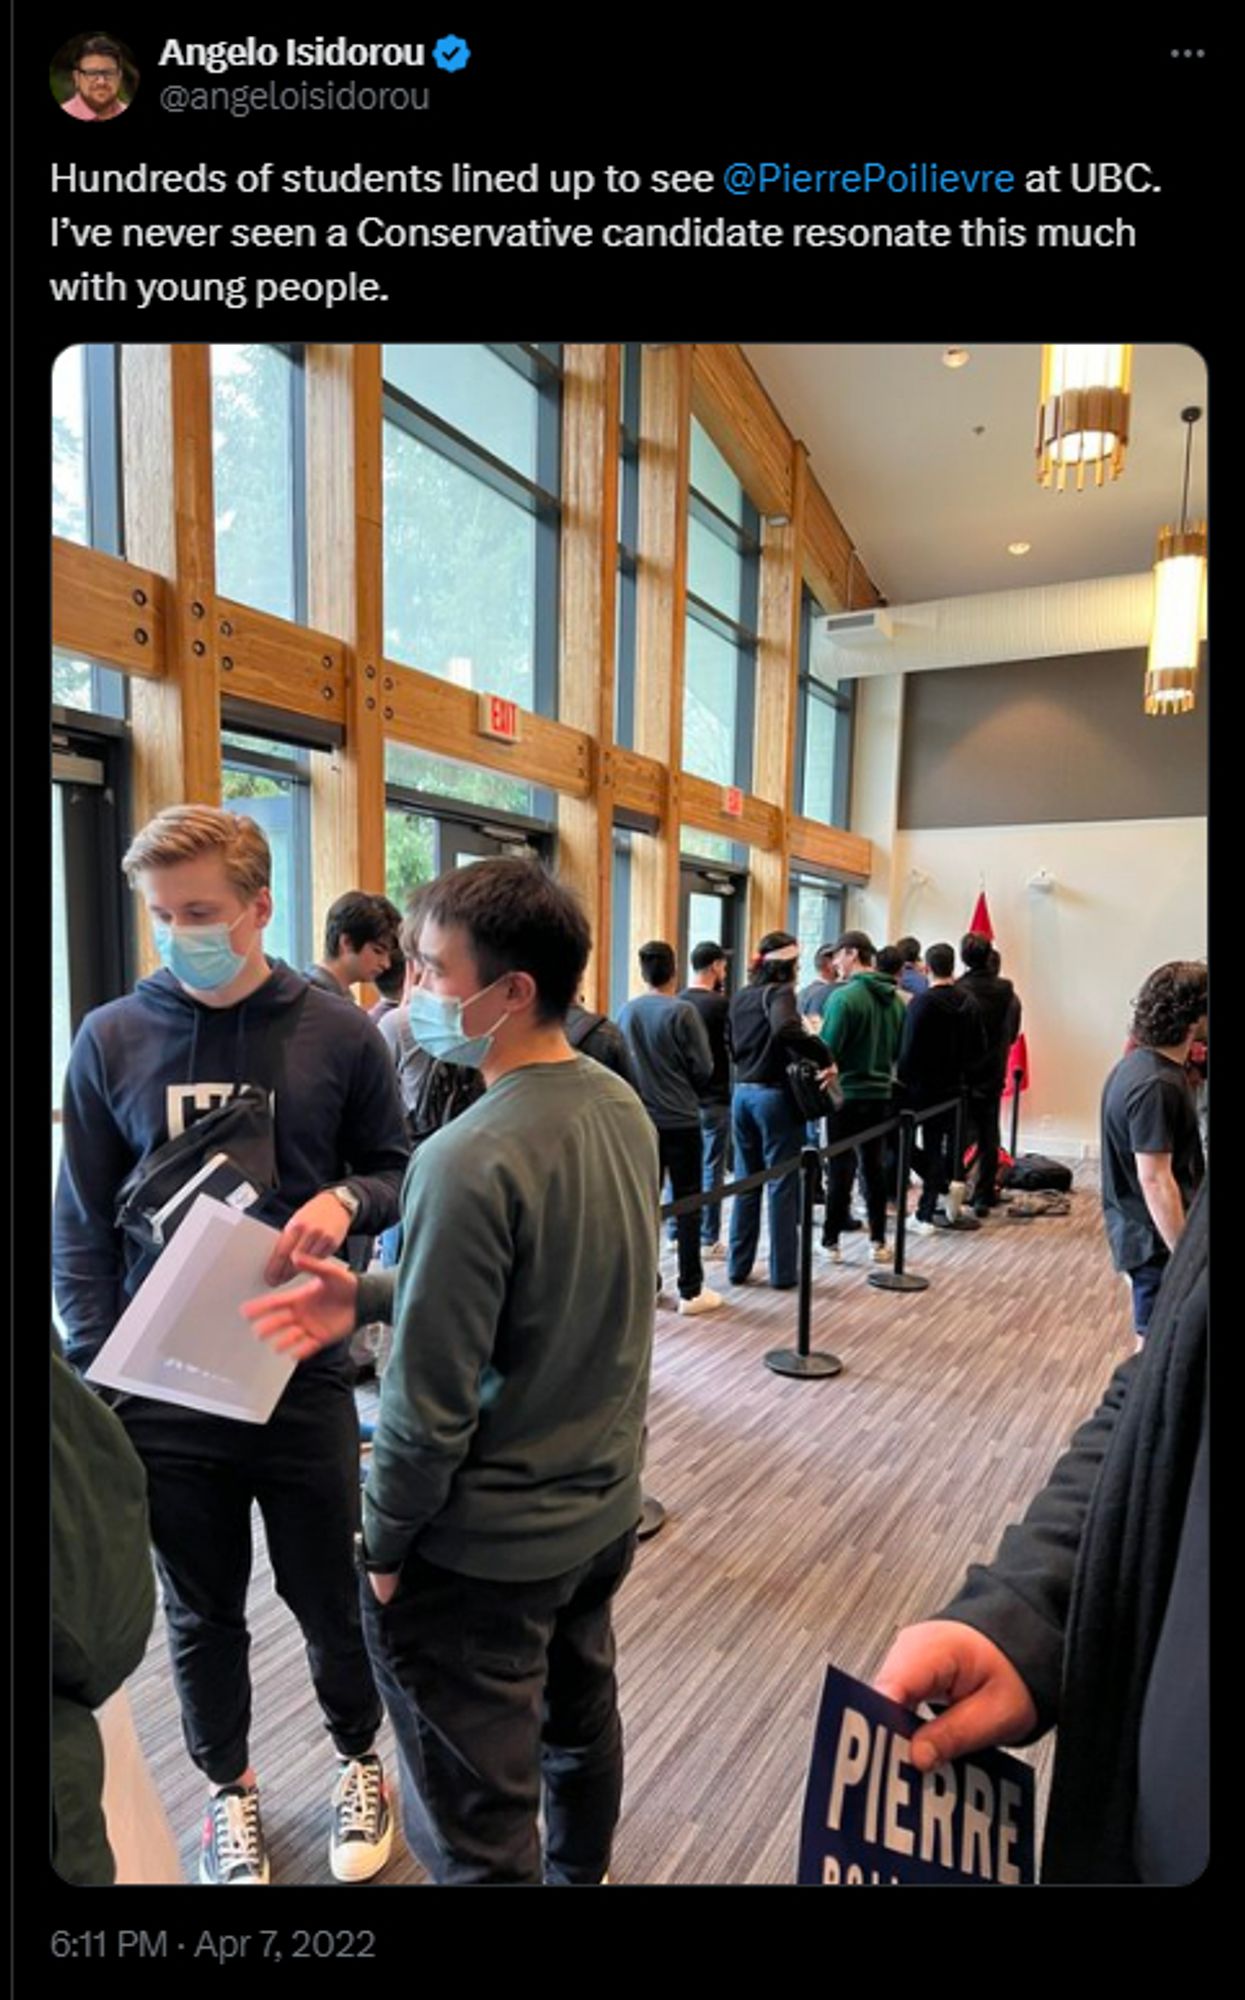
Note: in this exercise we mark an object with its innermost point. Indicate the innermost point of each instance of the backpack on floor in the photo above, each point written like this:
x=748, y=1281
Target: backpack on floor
x=1033, y=1171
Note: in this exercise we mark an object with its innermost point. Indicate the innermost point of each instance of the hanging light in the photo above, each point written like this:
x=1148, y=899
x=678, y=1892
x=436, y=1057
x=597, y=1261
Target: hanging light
x=1083, y=413
x=1179, y=597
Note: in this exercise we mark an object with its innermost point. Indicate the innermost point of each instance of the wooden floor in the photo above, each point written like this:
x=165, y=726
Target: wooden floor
x=808, y=1521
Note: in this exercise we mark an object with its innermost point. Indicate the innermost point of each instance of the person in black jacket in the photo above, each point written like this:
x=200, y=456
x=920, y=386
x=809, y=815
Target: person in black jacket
x=999, y=1005
x=1094, y=1615
x=220, y=1015
x=943, y=1039
x=767, y=1034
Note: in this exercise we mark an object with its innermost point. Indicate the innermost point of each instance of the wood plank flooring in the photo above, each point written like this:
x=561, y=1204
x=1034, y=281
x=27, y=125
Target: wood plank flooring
x=808, y=1521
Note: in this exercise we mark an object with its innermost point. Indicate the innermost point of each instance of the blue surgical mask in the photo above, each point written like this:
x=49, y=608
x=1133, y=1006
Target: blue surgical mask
x=200, y=955
x=437, y=1025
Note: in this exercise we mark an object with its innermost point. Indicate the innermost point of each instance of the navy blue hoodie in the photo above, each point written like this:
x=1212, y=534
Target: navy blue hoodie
x=143, y=1067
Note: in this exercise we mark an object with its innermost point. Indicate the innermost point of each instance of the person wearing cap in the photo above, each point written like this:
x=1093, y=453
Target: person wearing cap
x=767, y=1035
x=674, y=1065
x=861, y=1029
x=706, y=992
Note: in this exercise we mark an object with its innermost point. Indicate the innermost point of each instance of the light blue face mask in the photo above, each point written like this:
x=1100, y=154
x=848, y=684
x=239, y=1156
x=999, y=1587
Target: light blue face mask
x=200, y=955
x=437, y=1025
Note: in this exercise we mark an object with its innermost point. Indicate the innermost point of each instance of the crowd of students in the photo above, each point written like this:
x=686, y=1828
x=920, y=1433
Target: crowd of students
x=506, y=1146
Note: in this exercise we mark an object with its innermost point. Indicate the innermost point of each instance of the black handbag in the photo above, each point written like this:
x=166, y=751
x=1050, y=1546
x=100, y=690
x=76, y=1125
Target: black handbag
x=812, y=1099
x=229, y=1153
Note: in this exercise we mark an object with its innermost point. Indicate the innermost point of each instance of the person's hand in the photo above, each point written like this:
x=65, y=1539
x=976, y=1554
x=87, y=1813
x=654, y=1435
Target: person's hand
x=384, y=1585
x=316, y=1229
x=314, y=1315
x=826, y=1077
x=943, y=1660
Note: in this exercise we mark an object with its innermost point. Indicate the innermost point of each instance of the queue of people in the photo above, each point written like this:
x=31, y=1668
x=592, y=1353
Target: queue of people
x=495, y=1121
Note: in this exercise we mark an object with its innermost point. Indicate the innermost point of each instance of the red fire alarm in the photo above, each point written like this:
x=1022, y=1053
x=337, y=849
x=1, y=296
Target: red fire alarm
x=498, y=718
x=733, y=801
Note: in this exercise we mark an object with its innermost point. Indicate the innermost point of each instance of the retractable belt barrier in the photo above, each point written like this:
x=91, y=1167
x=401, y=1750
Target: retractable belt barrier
x=800, y=1361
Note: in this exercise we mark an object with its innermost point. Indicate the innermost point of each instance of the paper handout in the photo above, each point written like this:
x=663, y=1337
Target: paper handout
x=182, y=1338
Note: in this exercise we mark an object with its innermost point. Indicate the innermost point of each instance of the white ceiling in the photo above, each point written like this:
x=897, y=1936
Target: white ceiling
x=931, y=505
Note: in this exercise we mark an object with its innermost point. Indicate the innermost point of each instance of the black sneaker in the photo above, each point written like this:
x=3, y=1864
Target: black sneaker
x=362, y=1836
x=233, y=1854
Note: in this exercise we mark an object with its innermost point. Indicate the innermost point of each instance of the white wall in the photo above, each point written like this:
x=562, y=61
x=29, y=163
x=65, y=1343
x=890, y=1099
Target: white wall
x=1128, y=895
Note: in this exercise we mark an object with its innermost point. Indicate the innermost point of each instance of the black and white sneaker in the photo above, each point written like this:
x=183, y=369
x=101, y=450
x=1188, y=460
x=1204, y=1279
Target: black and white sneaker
x=233, y=1854
x=362, y=1836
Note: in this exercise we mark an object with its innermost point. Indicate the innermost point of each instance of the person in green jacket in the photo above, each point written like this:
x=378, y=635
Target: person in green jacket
x=103, y=1604
x=861, y=1027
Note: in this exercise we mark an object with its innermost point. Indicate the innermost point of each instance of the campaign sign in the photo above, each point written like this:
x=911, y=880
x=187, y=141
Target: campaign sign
x=871, y=1817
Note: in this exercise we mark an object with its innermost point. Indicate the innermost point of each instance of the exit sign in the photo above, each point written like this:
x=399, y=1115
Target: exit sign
x=732, y=801
x=498, y=718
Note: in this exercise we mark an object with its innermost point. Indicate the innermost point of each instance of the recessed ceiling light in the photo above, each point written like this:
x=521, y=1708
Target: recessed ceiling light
x=955, y=357
x=1019, y=548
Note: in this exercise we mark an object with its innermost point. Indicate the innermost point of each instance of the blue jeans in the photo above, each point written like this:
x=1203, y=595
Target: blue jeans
x=767, y=1128
x=715, y=1135
x=1145, y=1280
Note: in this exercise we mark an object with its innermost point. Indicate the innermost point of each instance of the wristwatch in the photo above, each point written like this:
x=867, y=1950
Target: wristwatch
x=349, y=1201
x=363, y=1563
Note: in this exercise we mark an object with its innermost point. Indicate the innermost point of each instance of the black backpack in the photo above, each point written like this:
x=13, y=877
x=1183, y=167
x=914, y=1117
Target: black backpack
x=1033, y=1171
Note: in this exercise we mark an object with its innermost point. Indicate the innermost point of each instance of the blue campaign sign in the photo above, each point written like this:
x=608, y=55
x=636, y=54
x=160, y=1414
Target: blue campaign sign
x=871, y=1817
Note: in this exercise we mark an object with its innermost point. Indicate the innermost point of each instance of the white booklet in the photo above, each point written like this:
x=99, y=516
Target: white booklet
x=182, y=1338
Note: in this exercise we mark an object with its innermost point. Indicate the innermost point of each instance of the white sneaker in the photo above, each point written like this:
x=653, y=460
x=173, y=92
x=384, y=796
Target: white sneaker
x=955, y=1200
x=831, y=1253
x=705, y=1301
x=712, y=1253
x=881, y=1253
x=362, y=1836
x=919, y=1227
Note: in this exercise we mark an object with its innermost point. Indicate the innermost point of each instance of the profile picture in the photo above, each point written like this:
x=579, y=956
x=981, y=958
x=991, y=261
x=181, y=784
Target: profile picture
x=93, y=77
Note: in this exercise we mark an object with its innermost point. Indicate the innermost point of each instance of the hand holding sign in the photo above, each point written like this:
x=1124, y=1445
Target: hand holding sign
x=942, y=1660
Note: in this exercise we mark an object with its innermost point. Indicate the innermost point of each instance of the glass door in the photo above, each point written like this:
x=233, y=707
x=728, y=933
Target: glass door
x=711, y=911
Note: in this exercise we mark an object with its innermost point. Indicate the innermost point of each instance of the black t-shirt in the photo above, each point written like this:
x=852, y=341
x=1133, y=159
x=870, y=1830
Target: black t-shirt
x=1147, y=1107
x=714, y=1010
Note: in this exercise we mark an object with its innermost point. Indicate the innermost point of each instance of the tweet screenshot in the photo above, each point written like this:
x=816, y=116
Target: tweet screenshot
x=704, y=814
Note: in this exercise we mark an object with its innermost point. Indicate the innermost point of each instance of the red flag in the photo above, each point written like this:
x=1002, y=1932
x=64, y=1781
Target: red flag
x=1018, y=1059
x=981, y=919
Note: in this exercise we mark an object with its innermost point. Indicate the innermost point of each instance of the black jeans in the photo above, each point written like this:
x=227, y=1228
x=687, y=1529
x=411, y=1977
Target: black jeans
x=857, y=1115
x=493, y=1688
x=203, y=1473
x=680, y=1153
x=934, y=1161
x=983, y=1118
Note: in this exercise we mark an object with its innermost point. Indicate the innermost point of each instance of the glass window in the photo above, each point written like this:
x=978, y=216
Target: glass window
x=69, y=498
x=471, y=472
x=620, y=933
x=710, y=846
x=86, y=463
x=710, y=701
x=257, y=457
x=723, y=573
x=712, y=476
x=82, y=684
x=410, y=852
x=714, y=570
x=817, y=920
x=474, y=390
x=820, y=735
x=823, y=734
x=271, y=783
x=444, y=777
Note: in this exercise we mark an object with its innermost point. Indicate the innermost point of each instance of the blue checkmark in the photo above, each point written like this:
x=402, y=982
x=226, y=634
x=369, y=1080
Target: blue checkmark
x=451, y=52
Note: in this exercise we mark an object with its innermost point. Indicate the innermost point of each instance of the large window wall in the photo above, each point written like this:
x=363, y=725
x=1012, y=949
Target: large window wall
x=723, y=550
x=86, y=500
x=259, y=469
x=823, y=761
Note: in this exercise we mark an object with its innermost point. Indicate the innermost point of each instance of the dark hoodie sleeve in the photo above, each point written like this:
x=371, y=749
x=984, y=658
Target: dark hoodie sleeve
x=788, y=1029
x=88, y=1265
x=373, y=1136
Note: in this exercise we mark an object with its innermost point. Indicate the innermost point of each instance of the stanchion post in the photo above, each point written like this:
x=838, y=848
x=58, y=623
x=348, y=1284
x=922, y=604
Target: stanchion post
x=897, y=1279
x=801, y=1361
x=1016, y=1076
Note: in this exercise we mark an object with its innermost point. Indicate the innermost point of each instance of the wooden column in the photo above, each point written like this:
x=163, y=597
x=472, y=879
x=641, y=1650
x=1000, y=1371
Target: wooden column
x=166, y=459
x=665, y=452
x=345, y=586
x=589, y=572
x=778, y=654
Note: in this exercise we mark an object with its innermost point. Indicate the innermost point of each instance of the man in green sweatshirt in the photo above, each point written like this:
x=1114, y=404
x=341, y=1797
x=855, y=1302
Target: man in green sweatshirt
x=862, y=1027
x=504, y=1492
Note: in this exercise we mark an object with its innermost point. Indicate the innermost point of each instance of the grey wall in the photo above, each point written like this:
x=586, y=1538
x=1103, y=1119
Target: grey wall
x=1047, y=740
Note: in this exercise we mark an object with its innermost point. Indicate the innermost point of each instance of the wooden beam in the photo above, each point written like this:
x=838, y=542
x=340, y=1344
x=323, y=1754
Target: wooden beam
x=728, y=400
x=640, y=783
x=439, y=716
x=661, y=590
x=107, y=610
x=589, y=572
x=345, y=584
x=831, y=847
x=284, y=666
x=837, y=578
x=778, y=655
x=759, y=826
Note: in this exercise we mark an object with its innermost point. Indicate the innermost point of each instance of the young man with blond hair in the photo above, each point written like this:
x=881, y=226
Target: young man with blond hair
x=217, y=1017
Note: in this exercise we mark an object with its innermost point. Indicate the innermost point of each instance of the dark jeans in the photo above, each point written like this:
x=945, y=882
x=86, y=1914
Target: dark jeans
x=202, y=1475
x=857, y=1115
x=767, y=1128
x=934, y=1161
x=1145, y=1281
x=715, y=1136
x=493, y=1688
x=983, y=1125
x=678, y=1149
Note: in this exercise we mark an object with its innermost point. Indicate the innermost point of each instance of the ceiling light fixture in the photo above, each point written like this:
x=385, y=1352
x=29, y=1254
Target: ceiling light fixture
x=956, y=357
x=1179, y=600
x=1019, y=548
x=1083, y=411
